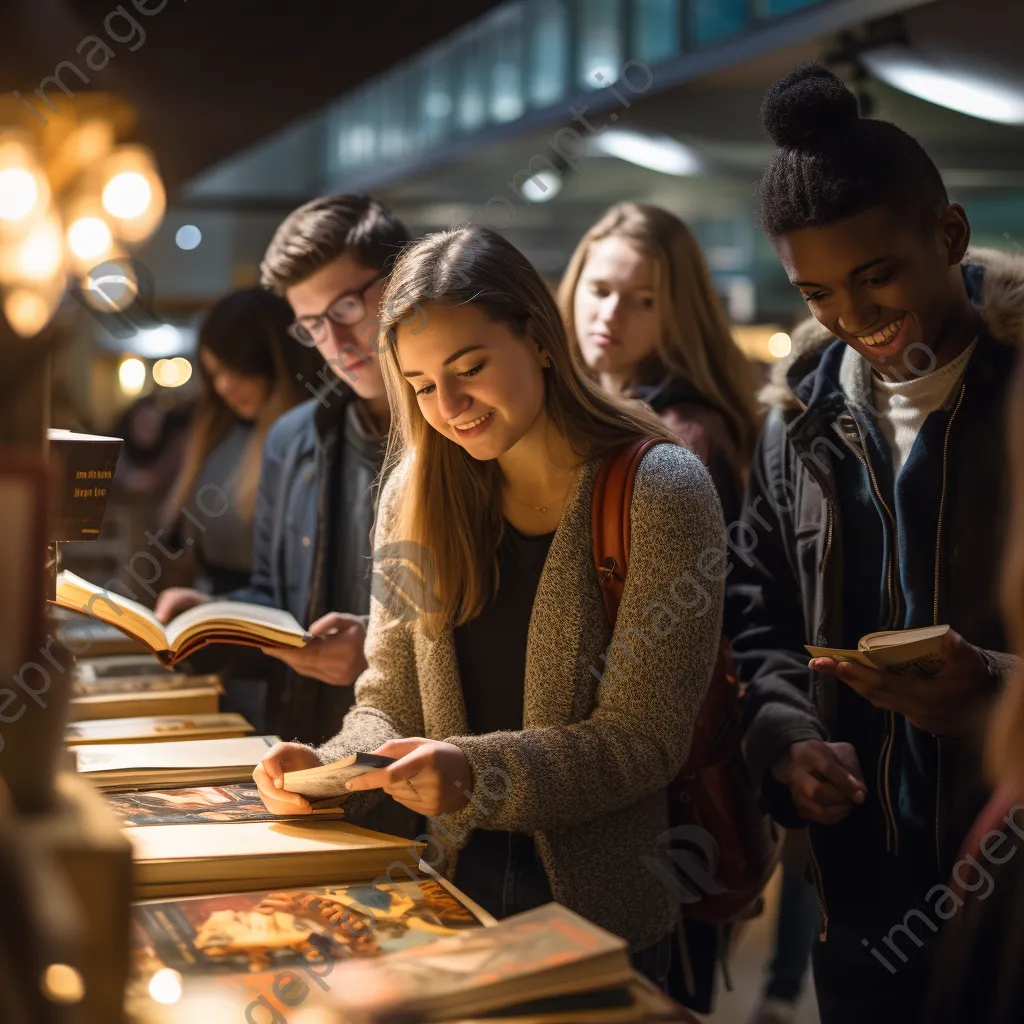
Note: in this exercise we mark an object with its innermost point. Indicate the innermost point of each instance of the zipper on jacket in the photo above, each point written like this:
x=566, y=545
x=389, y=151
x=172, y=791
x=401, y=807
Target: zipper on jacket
x=935, y=617
x=819, y=891
x=892, y=839
x=828, y=539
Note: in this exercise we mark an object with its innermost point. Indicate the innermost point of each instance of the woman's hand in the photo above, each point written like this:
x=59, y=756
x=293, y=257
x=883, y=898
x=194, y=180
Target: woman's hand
x=429, y=777
x=269, y=777
x=175, y=600
x=334, y=655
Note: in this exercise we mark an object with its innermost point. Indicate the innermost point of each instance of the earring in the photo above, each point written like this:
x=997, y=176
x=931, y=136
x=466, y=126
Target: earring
x=547, y=363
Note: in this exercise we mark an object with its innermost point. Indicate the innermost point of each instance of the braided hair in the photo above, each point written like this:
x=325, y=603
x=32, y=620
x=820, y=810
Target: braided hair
x=832, y=163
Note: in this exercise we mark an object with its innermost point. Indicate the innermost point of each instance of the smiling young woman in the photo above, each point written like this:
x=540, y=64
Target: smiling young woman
x=496, y=444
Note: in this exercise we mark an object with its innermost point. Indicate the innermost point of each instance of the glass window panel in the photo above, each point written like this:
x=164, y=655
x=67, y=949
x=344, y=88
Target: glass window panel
x=393, y=126
x=549, y=52
x=471, y=93
x=505, y=44
x=656, y=30
x=600, y=42
x=718, y=19
x=773, y=8
x=436, y=100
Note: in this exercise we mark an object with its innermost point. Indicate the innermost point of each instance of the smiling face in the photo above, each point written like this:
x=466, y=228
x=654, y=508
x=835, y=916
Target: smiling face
x=615, y=309
x=242, y=393
x=885, y=287
x=351, y=352
x=476, y=382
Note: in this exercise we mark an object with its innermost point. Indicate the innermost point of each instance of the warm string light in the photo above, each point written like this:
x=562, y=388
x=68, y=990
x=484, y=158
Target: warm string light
x=71, y=213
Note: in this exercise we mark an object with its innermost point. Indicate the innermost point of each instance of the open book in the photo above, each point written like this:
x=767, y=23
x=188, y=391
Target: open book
x=220, y=622
x=915, y=652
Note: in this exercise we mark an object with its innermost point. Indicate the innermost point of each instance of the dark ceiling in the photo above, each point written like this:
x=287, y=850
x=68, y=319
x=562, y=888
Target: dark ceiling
x=213, y=76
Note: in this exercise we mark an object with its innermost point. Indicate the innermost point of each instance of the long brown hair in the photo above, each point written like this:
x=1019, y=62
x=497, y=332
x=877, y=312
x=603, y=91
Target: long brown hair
x=247, y=331
x=695, y=343
x=449, y=504
x=1005, y=753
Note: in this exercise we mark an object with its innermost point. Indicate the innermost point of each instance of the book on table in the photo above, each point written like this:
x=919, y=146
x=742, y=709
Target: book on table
x=899, y=651
x=221, y=622
x=197, y=805
x=121, y=766
x=190, y=860
x=543, y=961
x=156, y=728
x=239, y=943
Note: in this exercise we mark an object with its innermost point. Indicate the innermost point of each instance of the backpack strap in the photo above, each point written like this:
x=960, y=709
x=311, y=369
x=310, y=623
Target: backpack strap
x=609, y=518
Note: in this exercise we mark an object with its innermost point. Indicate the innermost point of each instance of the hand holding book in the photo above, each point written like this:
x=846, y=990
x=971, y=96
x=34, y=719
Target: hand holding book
x=940, y=690
x=334, y=655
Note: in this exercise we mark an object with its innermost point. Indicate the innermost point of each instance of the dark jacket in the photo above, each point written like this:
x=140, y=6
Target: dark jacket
x=312, y=540
x=705, y=430
x=828, y=550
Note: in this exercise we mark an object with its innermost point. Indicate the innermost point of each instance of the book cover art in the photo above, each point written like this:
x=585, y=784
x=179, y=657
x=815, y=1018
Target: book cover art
x=246, y=940
x=195, y=805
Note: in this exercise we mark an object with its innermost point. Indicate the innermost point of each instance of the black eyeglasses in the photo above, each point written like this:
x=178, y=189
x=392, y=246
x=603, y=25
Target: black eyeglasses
x=346, y=310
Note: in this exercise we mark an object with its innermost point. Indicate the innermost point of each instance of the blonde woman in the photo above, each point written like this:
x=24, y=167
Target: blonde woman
x=643, y=316
x=537, y=741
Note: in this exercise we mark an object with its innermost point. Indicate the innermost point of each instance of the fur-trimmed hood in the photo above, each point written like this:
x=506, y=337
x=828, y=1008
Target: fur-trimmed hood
x=1001, y=303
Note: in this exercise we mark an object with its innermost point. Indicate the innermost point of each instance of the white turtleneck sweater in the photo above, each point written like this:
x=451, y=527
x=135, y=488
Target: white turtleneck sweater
x=903, y=406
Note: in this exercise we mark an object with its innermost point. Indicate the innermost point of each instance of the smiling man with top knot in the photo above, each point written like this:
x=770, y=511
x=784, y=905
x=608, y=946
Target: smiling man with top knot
x=876, y=501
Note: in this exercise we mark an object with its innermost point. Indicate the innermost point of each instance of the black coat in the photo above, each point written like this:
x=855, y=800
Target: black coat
x=790, y=585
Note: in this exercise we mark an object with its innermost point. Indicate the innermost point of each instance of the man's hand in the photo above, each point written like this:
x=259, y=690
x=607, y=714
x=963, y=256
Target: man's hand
x=175, y=600
x=946, y=704
x=334, y=655
x=269, y=777
x=429, y=777
x=824, y=779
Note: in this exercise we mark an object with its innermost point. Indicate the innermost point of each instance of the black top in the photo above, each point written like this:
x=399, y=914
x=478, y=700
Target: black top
x=491, y=649
x=499, y=870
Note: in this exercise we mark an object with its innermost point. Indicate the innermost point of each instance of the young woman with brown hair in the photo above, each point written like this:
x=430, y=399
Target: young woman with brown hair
x=505, y=682
x=644, y=317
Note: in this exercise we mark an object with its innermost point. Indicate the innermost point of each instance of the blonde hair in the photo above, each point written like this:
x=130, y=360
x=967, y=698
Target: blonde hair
x=1005, y=752
x=448, y=503
x=695, y=342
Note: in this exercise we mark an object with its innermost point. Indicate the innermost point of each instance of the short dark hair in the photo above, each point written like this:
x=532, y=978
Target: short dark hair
x=832, y=163
x=324, y=229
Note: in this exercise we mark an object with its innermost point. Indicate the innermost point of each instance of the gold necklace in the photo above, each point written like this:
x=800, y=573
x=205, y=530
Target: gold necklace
x=542, y=509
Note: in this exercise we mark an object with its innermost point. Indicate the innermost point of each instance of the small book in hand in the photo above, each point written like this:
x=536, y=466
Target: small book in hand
x=912, y=652
x=326, y=782
x=218, y=622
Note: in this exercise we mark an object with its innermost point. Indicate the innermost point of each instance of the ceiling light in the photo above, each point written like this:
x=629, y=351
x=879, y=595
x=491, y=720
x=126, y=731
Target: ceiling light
x=89, y=237
x=655, y=152
x=977, y=95
x=127, y=195
x=188, y=237
x=541, y=187
x=131, y=375
x=19, y=193
x=780, y=345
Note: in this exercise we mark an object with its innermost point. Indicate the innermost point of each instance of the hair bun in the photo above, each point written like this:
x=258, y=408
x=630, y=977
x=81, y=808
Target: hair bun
x=807, y=102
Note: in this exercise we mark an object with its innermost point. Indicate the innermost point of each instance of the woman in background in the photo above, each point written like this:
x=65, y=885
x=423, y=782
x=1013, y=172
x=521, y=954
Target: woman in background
x=643, y=315
x=248, y=371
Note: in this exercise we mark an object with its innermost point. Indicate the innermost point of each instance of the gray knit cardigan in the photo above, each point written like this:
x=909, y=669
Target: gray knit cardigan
x=604, y=730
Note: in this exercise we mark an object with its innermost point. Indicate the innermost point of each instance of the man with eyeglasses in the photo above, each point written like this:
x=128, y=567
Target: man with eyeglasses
x=312, y=549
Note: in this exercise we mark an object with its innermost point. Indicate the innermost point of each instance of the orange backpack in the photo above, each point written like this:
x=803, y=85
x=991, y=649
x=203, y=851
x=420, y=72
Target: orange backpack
x=713, y=807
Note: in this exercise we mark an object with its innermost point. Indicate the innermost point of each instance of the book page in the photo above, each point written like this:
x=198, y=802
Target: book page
x=82, y=596
x=329, y=779
x=253, y=619
x=229, y=753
